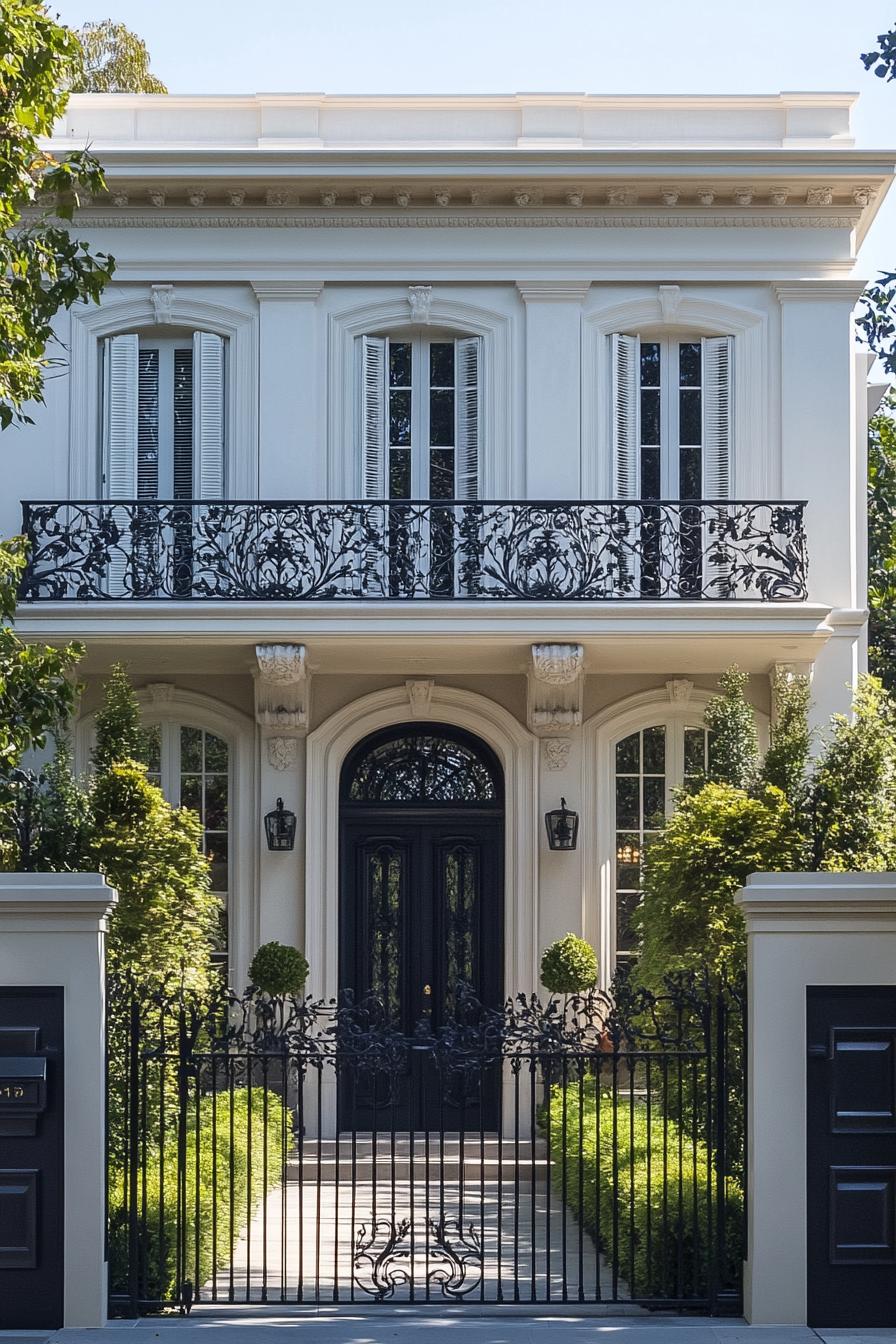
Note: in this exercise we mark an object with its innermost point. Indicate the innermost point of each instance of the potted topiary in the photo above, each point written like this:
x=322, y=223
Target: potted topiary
x=278, y=970
x=569, y=966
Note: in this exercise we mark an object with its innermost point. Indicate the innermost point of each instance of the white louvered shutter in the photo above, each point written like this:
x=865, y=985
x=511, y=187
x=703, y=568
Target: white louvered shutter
x=208, y=416
x=373, y=417
x=717, y=420
x=625, y=354
x=120, y=434
x=625, y=440
x=120, y=382
x=467, y=454
x=717, y=370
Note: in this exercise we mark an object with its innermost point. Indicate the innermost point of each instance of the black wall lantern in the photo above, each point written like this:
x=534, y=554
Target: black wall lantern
x=280, y=827
x=562, y=826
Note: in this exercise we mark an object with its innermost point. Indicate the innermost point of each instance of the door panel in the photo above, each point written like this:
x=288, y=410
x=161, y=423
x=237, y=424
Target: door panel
x=421, y=911
x=851, y=1148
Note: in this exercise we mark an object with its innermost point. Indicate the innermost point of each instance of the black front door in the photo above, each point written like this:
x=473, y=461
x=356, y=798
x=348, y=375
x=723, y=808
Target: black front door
x=851, y=1186
x=421, y=913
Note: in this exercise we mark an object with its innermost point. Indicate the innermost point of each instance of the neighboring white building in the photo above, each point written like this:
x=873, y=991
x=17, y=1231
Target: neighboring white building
x=544, y=299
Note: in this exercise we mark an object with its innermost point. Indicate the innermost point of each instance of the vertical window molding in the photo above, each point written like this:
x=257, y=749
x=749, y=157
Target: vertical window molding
x=755, y=464
x=501, y=472
x=89, y=328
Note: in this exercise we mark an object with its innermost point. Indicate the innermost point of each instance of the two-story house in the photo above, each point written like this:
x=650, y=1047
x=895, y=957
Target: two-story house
x=427, y=460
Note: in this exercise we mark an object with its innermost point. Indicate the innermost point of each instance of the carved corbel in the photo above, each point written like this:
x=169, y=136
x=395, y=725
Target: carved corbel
x=282, y=687
x=555, y=684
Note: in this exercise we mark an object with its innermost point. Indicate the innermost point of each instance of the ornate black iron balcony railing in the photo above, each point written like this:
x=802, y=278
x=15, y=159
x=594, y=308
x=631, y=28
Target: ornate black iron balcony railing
x=522, y=550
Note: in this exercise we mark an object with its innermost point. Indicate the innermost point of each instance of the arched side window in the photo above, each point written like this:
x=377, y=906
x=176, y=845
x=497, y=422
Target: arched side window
x=420, y=416
x=672, y=416
x=649, y=765
x=163, y=415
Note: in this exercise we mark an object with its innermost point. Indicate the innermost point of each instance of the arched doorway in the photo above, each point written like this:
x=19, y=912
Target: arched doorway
x=421, y=893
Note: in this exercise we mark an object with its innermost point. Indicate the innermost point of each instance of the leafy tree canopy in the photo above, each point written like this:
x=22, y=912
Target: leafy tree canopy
x=882, y=543
x=877, y=317
x=42, y=267
x=114, y=60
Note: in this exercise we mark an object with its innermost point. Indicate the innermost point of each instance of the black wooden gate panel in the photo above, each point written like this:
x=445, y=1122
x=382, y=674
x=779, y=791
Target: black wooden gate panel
x=616, y=1174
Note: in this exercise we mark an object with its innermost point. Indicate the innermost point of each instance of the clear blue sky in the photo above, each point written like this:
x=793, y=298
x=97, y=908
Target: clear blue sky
x=506, y=46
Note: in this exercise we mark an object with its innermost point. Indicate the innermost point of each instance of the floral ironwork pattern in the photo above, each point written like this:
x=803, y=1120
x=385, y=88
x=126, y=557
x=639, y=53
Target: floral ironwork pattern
x=350, y=551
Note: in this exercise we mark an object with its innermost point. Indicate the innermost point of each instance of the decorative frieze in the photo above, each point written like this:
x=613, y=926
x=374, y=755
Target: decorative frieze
x=281, y=688
x=840, y=217
x=555, y=684
x=556, y=752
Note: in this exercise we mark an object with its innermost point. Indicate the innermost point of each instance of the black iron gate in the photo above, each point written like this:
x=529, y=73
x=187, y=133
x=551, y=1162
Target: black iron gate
x=616, y=1173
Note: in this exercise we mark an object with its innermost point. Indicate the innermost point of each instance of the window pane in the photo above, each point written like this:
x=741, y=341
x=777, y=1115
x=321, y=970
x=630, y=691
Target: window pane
x=400, y=473
x=655, y=751
x=654, y=800
x=650, y=473
x=628, y=755
x=650, y=416
x=400, y=418
x=627, y=803
x=626, y=904
x=694, y=751
x=399, y=364
x=191, y=792
x=650, y=364
x=147, y=424
x=191, y=748
x=441, y=364
x=216, y=851
x=215, y=752
x=690, y=482
x=183, y=423
x=152, y=753
x=441, y=419
x=689, y=363
x=689, y=427
x=216, y=802
x=441, y=473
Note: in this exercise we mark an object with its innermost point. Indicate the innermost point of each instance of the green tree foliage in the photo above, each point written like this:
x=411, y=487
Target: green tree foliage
x=877, y=316
x=42, y=267
x=733, y=744
x=882, y=543
x=119, y=736
x=569, y=966
x=113, y=60
x=687, y=918
x=787, y=760
x=853, y=790
x=37, y=691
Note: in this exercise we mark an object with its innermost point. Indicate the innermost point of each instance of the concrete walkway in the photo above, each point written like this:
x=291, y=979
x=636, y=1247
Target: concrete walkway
x=393, y=1325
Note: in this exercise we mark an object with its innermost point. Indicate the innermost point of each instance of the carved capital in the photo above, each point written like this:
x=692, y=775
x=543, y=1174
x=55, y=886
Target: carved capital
x=419, y=698
x=556, y=752
x=282, y=687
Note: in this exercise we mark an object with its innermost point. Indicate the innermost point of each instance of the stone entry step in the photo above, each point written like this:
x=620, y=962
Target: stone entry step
x=427, y=1159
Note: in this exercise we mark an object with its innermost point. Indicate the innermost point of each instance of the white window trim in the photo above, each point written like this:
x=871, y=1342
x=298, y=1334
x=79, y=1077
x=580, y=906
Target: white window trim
x=601, y=733
x=756, y=468
x=499, y=472
x=88, y=328
x=238, y=731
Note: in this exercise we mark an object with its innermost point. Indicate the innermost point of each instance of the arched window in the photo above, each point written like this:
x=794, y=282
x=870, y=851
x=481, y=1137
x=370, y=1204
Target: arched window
x=163, y=415
x=192, y=766
x=419, y=766
x=649, y=765
x=420, y=416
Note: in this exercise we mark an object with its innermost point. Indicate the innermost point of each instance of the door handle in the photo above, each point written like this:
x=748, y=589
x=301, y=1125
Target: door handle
x=427, y=991
x=818, y=1052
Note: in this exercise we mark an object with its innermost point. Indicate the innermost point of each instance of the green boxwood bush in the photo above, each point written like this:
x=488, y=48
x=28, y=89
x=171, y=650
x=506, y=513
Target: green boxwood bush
x=277, y=969
x=569, y=966
x=258, y=1123
x=653, y=1220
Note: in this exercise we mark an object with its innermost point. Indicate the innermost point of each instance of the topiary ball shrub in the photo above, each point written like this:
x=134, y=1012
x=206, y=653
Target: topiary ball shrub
x=569, y=966
x=277, y=969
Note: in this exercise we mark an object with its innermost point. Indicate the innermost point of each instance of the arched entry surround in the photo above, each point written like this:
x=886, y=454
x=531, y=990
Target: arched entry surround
x=516, y=750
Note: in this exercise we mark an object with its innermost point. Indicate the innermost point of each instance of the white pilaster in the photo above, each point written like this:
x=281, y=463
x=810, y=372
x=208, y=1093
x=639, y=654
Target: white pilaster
x=290, y=456
x=52, y=932
x=553, y=386
x=802, y=929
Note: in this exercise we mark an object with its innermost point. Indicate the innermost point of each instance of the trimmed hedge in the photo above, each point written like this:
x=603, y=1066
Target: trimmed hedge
x=209, y=1245
x=652, y=1221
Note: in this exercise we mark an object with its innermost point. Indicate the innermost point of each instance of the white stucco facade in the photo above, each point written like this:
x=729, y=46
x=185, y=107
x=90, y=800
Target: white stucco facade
x=293, y=228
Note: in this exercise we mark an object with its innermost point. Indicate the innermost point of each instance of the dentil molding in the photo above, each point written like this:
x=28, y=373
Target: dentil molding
x=838, y=218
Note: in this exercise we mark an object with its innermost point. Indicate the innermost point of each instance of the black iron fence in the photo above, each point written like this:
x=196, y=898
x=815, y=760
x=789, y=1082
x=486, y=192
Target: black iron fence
x=401, y=550
x=255, y=1151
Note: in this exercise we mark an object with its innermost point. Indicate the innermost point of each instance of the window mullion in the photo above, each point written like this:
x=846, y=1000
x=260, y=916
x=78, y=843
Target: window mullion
x=669, y=419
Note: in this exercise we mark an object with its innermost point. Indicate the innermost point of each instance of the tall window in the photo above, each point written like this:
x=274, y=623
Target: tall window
x=163, y=416
x=192, y=768
x=420, y=418
x=650, y=765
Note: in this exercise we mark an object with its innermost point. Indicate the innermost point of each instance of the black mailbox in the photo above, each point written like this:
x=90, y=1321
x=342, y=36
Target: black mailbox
x=23, y=1082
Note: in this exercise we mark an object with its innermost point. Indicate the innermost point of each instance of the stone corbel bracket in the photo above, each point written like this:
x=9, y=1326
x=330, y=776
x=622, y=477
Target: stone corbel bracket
x=282, y=688
x=555, y=684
